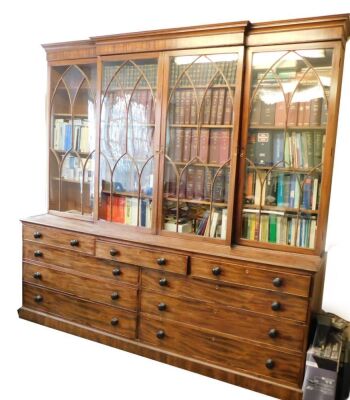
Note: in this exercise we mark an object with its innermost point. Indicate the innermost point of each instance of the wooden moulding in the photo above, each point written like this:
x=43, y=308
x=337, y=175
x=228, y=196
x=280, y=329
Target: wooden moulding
x=247, y=381
x=334, y=27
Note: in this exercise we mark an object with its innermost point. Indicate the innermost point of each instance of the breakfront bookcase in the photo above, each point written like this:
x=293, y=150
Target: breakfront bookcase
x=189, y=182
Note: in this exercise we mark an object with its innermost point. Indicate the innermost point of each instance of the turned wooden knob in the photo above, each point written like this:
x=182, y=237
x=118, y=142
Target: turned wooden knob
x=163, y=281
x=116, y=272
x=276, y=306
x=37, y=235
x=270, y=364
x=37, y=275
x=113, y=252
x=216, y=271
x=273, y=333
x=160, y=334
x=114, y=296
x=38, y=298
x=277, y=282
x=114, y=321
x=161, y=306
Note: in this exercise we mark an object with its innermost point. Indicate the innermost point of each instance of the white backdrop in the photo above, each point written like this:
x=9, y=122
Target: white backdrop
x=41, y=364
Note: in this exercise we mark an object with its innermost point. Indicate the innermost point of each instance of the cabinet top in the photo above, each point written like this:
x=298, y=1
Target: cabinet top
x=324, y=28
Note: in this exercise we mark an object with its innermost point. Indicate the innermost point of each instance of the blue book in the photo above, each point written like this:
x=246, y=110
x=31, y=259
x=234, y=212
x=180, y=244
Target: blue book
x=293, y=183
x=143, y=212
x=68, y=137
x=280, y=190
x=278, y=147
x=307, y=194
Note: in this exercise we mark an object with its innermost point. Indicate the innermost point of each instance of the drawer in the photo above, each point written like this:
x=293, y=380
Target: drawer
x=98, y=316
x=246, y=325
x=221, y=350
x=162, y=260
x=102, y=291
x=251, y=299
x=78, y=262
x=280, y=281
x=71, y=240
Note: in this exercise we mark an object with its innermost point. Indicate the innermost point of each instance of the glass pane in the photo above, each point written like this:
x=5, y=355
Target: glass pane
x=72, y=138
x=285, y=146
x=127, y=130
x=200, y=122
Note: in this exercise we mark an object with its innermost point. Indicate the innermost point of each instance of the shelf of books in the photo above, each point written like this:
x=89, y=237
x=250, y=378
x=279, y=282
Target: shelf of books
x=285, y=146
x=127, y=141
x=72, y=138
x=199, y=133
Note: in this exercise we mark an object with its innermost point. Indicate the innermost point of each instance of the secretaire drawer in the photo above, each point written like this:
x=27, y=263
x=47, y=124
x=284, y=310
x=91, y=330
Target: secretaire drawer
x=82, y=263
x=162, y=260
x=98, y=316
x=219, y=349
x=57, y=237
x=102, y=291
x=280, y=281
x=251, y=299
x=228, y=320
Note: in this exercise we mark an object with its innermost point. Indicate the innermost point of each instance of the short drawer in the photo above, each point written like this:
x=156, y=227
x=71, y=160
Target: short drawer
x=264, y=278
x=261, y=301
x=71, y=240
x=98, y=316
x=221, y=350
x=102, y=291
x=108, y=269
x=246, y=325
x=143, y=257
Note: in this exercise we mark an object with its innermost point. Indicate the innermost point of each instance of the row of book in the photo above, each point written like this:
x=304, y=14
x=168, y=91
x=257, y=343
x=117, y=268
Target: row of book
x=67, y=137
x=202, y=226
x=282, y=190
x=128, y=75
x=72, y=169
x=215, y=105
x=211, y=146
x=197, y=184
x=140, y=111
x=287, y=230
x=124, y=210
x=294, y=149
x=202, y=71
x=301, y=114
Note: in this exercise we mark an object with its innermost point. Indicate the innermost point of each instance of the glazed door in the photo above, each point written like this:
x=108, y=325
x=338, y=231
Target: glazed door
x=72, y=138
x=129, y=140
x=288, y=136
x=200, y=122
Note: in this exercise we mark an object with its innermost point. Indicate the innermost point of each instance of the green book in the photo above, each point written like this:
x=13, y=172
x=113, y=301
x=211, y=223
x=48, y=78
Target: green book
x=318, y=147
x=273, y=229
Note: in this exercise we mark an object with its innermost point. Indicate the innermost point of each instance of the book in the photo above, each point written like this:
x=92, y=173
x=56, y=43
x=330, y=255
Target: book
x=220, y=106
x=199, y=175
x=263, y=149
x=278, y=147
x=223, y=224
x=255, y=112
x=293, y=114
x=190, y=182
x=250, y=153
x=214, y=146
x=214, y=223
x=301, y=110
x=318, y=147
x=228, y=111
x=324, y=112
x=187, y=94
x=267, y=114
x=118, y=209
x=315, y=111
x=280, y=114
x=272, y=228
x=307, y=113
x=264, y=228
x=194, y=143
x=204, y=145
x=179, y=144
x=224, y=146
x=186, y=152
x=314, y=199
x=271, y=190
x=214, y=106
x=219, y=187
x=183, y=227
x=307, y=193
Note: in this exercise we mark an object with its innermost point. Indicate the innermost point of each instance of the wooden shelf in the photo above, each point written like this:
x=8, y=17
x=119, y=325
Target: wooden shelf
x=71, y=181
x=65, y=115
x=290, y=128
x=200, y=126
x=285, y=169
x=63, y=152
x=195, y=201
x=280, y=209
x=221, y=85
x=201, y=165
x=127, y=194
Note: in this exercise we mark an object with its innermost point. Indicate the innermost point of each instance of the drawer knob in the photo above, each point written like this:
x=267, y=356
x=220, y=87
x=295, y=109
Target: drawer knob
x=37, y=275
x=113, y=252
x=277, y=282
x=37, y=235
x=38, y=298
x=116, y=272
x=161, y=261
x=38, y=253
x=216, y=271
x=270, y=364
x=74, y=242
x=276, y=306
x=161, y=306
x=160, y=334
x=273, y=333
x=114, y=296
x=163, y=281
x=114, y=321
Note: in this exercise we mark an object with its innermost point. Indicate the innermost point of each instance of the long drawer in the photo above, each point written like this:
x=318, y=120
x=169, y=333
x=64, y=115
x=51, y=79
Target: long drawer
x=102, y=291
x=71, y=240
x=79, y=262
x=110, y=319
x=258, y=277
x=247, y=325
x=262, y=301
x=219, y=349
x=162, y=260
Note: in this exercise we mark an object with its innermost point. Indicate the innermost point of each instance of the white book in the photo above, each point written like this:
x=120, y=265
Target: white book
x=314, y=194
x=214, y=223
x=223, y=224
x=312, y=234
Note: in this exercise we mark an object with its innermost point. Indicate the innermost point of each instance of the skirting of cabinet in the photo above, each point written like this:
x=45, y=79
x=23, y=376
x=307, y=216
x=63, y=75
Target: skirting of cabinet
x=279, y=391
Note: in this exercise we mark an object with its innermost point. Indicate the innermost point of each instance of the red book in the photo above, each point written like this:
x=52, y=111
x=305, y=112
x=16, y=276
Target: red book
x=206, y=106
x=214, y=106
x=293, y=114
x=118, y=209
x=307, y=110
x=224, y=146
x=214, y=143
x=179, y=143
x=186, y=154
x=228, y=113
x=187, y=106
x=193, y=112
x=280, y=114
x=301, y=111
x=105, y=210
x=182, y=107
x=190, y=182
x=221, y=106
x=255, y=112
x=199, y=183
x=194, y=143
x=204, y=145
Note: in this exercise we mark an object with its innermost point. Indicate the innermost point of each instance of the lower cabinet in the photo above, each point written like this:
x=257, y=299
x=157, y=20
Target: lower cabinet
x=241, y=322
